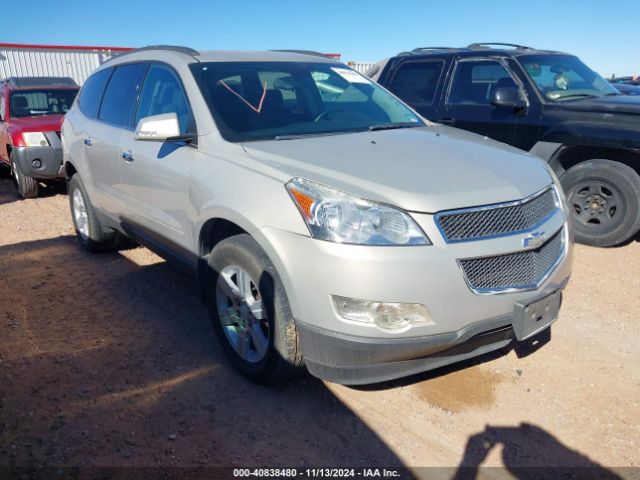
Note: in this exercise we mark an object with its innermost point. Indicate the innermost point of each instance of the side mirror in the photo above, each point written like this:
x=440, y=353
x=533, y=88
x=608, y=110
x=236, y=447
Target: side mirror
x=161, y=128
x=508, y=97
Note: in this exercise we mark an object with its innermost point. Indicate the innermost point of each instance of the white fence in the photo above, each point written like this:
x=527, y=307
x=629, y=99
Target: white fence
x=52, y=61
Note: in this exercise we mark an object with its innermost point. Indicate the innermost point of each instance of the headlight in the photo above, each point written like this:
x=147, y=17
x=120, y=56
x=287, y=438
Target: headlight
x=339, y=217
x=35, y=139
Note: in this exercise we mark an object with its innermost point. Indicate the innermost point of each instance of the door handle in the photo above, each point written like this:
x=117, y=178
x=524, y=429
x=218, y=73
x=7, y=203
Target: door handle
x=447, y=121
x=127, y=157
x=88, y=142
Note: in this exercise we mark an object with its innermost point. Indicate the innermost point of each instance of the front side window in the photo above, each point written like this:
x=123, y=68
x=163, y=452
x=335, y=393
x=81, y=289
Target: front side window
x=269, y=100
x=120, y=96
x=161, y=93
x=416, y=82
x=41, y=101
x=475, y=81
x=564, y=77
x=92, y=91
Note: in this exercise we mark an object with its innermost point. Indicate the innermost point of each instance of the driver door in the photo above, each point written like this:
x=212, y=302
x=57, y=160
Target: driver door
x=155, y=175
x=468, y=103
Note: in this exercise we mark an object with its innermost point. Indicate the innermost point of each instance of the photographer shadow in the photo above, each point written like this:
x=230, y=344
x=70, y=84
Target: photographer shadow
x=528, y=452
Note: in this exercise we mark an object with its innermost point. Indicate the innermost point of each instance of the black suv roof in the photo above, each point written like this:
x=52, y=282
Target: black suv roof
x=21, y=82
x=508, y=49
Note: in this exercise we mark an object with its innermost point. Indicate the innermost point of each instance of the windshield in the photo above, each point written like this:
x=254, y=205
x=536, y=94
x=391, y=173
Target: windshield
x=564, y=77
x=28, y=103
x=280, y=100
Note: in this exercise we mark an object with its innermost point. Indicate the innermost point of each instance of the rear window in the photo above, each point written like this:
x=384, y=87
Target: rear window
x=416, y=82
x=119, y=99
x=41, y=101
x=91, y=93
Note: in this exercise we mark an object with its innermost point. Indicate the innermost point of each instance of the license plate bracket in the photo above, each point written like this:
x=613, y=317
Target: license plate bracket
x=531, y=318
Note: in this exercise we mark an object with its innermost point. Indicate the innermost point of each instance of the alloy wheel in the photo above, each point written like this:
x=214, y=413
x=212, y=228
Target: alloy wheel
x=80, y=213
x=242, y=314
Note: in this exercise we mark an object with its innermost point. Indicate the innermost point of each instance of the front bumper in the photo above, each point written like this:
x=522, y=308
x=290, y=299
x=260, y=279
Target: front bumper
x=353, y=360
x=465, y=324
x=49, y=158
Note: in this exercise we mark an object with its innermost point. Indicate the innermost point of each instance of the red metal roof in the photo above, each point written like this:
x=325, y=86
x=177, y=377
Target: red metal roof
x=63, y=47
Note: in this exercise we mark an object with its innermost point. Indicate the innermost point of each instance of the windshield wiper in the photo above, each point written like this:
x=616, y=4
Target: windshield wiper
x=307, y=135
x=579, y=95
x=392, y=126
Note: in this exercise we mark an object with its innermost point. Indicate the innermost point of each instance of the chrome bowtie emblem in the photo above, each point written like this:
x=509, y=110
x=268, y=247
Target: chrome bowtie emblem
x=534, y=240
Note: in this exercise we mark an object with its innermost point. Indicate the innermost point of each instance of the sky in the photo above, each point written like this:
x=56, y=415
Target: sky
x=605, y=35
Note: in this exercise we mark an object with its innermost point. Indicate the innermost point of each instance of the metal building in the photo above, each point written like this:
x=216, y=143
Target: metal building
x=361, y=67
x=77, y=62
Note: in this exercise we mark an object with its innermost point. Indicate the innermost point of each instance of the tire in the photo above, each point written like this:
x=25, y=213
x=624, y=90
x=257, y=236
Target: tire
x=26, y=186
x=604, y=200
x=5, y=170
x=91, y=234
x=280, y=359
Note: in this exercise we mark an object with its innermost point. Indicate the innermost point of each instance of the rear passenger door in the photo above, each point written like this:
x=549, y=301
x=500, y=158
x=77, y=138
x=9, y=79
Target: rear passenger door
x=111, y=115
x=468, y=100
x=416, y=82
x=155, y=175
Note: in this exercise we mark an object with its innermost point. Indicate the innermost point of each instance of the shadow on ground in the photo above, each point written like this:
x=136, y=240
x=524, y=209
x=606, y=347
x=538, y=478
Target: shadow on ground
x=106, y=362
x=528, y=452
x=8, y=193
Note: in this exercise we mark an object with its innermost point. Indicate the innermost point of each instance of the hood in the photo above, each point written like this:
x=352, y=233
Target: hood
x=424, y=169
x=613, y=104
x=38, y=123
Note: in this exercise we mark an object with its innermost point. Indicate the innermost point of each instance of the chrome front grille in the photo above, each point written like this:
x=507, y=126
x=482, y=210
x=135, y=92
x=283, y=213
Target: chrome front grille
x=497, y=220
x=514, y=271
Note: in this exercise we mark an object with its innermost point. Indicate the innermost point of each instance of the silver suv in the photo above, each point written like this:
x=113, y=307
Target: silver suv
x=328, y=224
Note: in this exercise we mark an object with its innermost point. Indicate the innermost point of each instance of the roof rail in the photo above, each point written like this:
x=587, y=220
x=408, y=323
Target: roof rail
x=422, y=49
x=303, y=52
x=487, y=45
x=419, y=50
x=172, y=48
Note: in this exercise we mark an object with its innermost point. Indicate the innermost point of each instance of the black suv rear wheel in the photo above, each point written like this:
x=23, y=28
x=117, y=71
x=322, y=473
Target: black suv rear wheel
x=604, y=199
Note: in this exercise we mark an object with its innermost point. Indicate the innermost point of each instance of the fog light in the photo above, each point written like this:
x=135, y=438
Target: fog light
x=36, y=163
x=386, y=315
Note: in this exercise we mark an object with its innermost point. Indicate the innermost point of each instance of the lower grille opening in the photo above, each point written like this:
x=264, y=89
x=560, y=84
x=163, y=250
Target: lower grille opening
x=514, y=271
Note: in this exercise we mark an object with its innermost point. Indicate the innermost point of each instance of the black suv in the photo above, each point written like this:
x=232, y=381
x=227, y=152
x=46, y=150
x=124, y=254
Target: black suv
x=548, y=103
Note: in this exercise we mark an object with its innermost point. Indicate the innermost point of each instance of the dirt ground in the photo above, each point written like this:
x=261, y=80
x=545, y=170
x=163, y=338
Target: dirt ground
x=110, y=360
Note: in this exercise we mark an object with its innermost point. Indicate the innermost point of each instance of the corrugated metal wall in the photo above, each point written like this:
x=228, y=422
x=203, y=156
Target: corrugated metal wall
x=361, y=67
x=53, y=62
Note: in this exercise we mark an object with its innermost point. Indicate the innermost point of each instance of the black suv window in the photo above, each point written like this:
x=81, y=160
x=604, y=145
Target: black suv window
x=91, y=93
x=162, y=92
x=416, y=82
x=475, y=81
x=121, y=94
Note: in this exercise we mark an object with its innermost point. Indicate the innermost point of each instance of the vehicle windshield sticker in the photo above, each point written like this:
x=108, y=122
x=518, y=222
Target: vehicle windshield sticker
x=351, y=76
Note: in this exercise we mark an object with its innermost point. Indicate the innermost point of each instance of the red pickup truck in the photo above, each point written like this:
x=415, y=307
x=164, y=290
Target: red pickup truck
x=31, y=113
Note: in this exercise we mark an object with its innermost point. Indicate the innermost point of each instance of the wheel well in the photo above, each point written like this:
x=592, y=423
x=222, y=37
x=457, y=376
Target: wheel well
x=214, y=231
x=569, y=156
x=69, y=170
